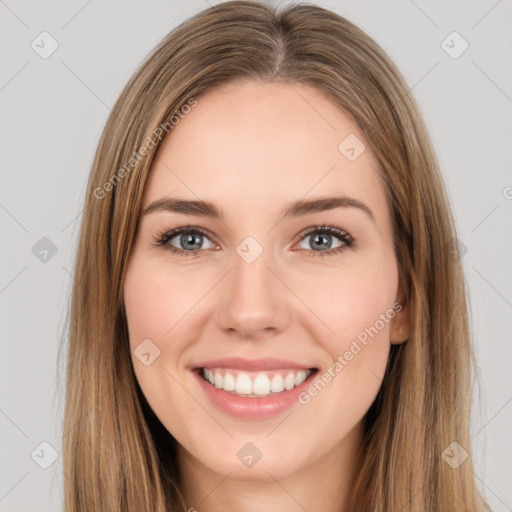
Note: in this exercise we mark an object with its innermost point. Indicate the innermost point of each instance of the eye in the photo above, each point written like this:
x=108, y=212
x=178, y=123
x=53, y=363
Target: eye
x=321, y=237
x=188, y=240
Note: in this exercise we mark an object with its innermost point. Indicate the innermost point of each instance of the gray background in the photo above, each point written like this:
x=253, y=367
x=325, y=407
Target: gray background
x=52, y=114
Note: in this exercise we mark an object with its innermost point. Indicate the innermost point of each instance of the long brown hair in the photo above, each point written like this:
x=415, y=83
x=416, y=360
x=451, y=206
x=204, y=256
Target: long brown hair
x=117, y=455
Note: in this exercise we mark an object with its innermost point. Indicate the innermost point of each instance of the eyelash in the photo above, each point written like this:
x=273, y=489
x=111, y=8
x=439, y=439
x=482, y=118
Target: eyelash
x=164, y=237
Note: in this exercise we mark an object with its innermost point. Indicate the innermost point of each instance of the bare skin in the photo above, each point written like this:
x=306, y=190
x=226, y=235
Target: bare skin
x=253, y=149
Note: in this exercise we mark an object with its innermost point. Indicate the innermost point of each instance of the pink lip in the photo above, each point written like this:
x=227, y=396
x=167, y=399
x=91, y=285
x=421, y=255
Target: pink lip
x=253, y=365
x=257, y=408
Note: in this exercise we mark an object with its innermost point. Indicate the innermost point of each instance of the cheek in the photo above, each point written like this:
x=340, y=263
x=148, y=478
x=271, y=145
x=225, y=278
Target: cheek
x=157, y=300
x=352, y=300
x=156, y=303
x=358, y=308
x=162, y=305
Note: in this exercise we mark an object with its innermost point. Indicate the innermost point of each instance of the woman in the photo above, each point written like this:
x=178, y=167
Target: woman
x=256, y=370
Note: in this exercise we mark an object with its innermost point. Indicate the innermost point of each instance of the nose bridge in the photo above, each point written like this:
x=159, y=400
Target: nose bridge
x=252, y=298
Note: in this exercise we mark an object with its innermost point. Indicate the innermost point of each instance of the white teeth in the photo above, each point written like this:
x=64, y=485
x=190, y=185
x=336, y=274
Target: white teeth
x=300, y=377
x=228, y=382
x=243, y=384
x=289, y=381
x=261, y=385
x=277, y=384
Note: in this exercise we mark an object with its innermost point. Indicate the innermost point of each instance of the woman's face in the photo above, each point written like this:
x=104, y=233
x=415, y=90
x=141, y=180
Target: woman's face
x=266, y=289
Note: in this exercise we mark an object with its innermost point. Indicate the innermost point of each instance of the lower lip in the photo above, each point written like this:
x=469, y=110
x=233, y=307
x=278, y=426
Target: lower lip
x=252, y=408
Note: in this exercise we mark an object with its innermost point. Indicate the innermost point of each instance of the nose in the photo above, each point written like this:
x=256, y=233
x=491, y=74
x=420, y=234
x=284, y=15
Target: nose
x=253, y=299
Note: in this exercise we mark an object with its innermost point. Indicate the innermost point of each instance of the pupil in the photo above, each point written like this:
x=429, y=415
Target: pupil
x=185, y=239
x=322, y=237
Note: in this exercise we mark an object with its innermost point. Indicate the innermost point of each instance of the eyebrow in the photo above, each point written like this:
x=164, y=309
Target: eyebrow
x=295, y=209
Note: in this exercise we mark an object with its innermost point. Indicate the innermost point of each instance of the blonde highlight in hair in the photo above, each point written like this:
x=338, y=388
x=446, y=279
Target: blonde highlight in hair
x=117, y=455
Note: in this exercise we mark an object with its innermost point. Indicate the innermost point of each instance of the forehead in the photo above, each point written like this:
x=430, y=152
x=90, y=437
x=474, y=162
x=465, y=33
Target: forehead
x=262, y=144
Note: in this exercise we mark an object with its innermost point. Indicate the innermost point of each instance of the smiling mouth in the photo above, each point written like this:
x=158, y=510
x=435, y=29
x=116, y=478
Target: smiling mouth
x=255, y=384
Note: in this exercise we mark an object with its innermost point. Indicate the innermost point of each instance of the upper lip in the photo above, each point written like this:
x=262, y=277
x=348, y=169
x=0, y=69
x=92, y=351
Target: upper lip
x=240, y=363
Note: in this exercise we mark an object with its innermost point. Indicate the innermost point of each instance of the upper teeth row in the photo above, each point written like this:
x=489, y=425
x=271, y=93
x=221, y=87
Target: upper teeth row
x=261, y=385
